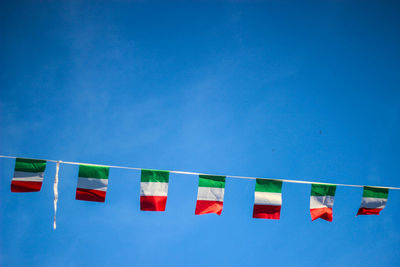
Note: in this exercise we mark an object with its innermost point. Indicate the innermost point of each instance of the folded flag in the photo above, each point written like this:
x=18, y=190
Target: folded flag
x=28, y=175
x=321, y=201
x=153, y=190
x=267, y=199
x=92, y=183
x=210, y=195
x=373, y=200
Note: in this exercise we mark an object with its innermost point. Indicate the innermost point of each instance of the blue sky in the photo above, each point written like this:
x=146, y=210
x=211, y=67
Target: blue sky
x=303, y=90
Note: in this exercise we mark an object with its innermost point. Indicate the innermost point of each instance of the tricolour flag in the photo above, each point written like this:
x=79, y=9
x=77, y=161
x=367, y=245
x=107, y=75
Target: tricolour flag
x=267, y=199
x=92, y=183
x=373, y=200
x=321, y=201
x=210, y=195
x=28, y=175
x=153, y=190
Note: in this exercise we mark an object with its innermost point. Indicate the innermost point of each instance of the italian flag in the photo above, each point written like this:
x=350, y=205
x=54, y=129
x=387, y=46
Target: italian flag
x=28, y=175
x=321, y=201
x=210, y=195
x=267, y=199
x=92, y=183
x=373, y=200
x=153, y=190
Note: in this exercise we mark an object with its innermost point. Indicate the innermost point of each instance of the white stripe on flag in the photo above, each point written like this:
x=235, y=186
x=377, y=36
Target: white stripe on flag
x=210, y=193
x=317, y=202
x=153, y=189
x=28, y=179
x=267, y=198
x=92, y=183
x=28, y=176
x=373, y=203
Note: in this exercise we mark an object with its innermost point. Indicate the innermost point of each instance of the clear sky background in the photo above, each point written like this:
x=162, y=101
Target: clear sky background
x=280, y=89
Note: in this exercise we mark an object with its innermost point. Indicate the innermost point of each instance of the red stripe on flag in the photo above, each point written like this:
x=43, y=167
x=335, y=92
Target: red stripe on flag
x=267, y=212
x=323, y=213
x=207, y=206
x=153, y=203
x=90, y=195
x=365, y=211
x=23, y=186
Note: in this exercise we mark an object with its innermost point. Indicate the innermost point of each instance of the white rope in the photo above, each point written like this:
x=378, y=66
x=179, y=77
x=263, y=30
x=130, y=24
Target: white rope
x=56, y=193
x=197, y=173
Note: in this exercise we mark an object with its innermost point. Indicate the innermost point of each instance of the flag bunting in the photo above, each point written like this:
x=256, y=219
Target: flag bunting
x=153, y=190
x=93, y=183
x=210, y=194
x=373, y=200
x=267, y=199
x=28, y=175
x=321, y=201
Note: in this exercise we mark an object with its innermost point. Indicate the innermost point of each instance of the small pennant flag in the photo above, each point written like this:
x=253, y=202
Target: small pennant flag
x=153, y=190
x=210, y=195
x=373, y=200
x=321, y=201
x=28, y=175
x=267, y=199
x=92, y=183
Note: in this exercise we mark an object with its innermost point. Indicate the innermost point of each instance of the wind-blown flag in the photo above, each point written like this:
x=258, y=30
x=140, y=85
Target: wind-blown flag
x=28, y=175
x=210, y=195
x=321, y=201
x=373, y=200
x=153, y=190
x=267, y=199
x=92, y=183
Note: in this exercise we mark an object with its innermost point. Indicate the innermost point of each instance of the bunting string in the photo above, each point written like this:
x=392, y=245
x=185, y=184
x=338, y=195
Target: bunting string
x=187, y=173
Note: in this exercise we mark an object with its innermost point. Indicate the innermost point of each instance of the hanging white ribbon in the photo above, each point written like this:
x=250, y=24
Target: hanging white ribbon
x=56, y=193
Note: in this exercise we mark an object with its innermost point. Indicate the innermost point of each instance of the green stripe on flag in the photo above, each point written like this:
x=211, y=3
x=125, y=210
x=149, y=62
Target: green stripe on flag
x=89, y=171
x=30, y=165
x=323, y=190
x=211, y=181
x=375, y=192
x=264, y=185
x=154, y=176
